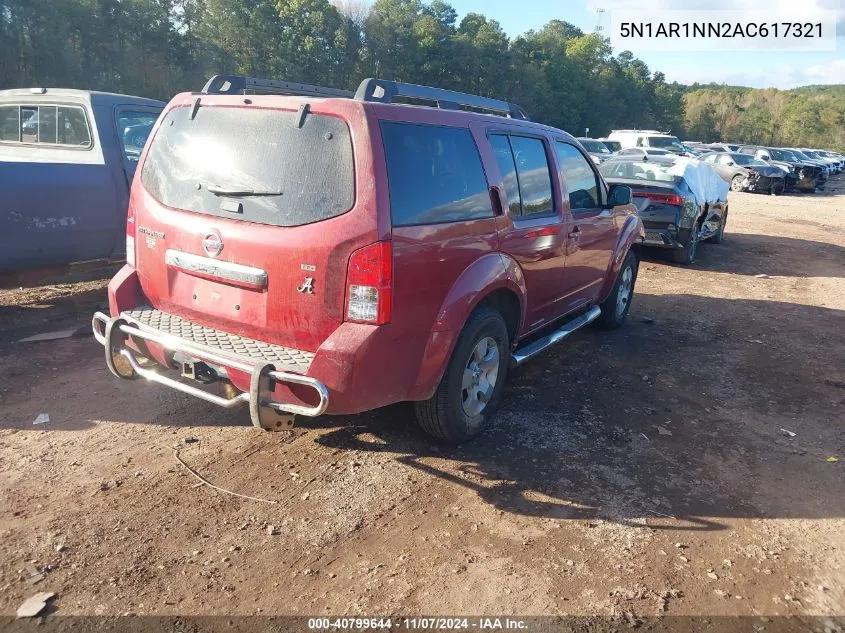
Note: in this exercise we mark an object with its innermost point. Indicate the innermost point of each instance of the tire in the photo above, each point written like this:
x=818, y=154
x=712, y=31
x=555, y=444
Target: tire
x=736, y=182
x=720, y=234
x=615, y=308
x=690, y=241
x=777, y=187
x=455, y=413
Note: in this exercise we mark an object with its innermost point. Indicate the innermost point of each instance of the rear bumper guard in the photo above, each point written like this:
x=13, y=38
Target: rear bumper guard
x=111, y=334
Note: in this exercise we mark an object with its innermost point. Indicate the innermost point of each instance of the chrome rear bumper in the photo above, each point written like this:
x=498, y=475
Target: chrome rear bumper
x=111, y=332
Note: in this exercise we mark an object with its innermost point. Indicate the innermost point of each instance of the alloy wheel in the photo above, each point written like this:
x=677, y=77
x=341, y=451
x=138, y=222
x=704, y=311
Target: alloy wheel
x=626, y=289
x=480, y=375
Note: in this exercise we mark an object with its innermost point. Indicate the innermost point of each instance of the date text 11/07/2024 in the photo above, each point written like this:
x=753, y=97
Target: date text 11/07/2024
x=421, y=623
x=721, y=29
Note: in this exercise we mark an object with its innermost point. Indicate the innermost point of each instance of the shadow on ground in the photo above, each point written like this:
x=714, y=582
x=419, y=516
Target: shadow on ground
x=751, y=254
x=680, y=413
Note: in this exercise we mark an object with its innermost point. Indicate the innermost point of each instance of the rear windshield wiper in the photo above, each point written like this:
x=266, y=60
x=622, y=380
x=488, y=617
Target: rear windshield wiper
x=222, y=191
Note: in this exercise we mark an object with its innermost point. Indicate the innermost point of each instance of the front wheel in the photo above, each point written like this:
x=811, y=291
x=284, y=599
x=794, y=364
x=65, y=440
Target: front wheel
x=737, y=182
x=615, y=308
x=470, y=389
x=720, y=234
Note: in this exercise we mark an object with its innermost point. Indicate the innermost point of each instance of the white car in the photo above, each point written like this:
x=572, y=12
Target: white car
x=651, y=139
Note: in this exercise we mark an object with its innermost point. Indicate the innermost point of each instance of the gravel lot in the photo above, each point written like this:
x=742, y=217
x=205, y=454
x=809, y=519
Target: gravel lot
x=643, y=471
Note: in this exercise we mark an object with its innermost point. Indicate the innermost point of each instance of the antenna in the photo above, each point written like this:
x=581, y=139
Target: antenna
x=599, y=13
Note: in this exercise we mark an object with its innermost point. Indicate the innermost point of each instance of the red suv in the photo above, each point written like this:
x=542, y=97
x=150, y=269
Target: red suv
x=335, y=253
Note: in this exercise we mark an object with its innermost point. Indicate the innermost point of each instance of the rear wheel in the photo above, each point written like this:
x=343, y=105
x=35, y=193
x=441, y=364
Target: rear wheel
x=470, y=389
x=689, y=241
x=615, y=308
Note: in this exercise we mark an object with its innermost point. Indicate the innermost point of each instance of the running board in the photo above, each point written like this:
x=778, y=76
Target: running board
x=528, y=352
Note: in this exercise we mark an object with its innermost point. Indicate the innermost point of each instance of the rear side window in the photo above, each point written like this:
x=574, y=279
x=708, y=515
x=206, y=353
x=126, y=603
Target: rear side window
x=504, y=157
x=63, y=125
x=535, y=182
x=252, y=164
x=580, y=179
x=434, y=175
x=524, y=166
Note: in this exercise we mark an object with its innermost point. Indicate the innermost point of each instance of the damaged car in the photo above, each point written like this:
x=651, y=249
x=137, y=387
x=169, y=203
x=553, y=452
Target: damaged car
x=681, y=201
x=746, y=173
x=800, y=176
x=832, y=165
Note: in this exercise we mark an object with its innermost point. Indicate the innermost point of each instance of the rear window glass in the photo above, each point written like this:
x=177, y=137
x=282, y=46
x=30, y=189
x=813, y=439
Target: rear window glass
x=665, y=141
x=630, y=170
x=45, y=125
x=594, y=146
x=252, y=164
x=434, y=175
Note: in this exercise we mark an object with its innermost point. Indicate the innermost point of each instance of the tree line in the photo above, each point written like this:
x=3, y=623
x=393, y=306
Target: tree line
x=559, y=74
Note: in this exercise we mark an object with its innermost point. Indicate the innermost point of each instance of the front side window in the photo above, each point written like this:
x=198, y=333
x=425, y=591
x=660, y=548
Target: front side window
x=133, y=129
x=575, y=171
x=434, y=175
x=45, y=125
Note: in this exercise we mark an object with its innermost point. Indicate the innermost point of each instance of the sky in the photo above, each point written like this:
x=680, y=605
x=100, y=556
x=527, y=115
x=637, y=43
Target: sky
x=757, y=69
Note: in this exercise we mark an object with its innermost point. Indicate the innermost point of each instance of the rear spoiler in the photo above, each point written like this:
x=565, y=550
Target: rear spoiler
x=371, y=90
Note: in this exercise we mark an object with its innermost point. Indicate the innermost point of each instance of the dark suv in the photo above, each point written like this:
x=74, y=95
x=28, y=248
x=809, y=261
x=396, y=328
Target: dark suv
x=324, y=253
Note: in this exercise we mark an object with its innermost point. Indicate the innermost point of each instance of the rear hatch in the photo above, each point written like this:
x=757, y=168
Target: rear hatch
x=246, y=213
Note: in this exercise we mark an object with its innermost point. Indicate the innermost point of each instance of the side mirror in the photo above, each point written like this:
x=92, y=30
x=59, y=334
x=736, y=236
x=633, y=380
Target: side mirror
x=730, y=163
x=619, y=195
x=765, y=157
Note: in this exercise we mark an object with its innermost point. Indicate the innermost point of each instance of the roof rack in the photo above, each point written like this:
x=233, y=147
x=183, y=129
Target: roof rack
x=237, y=84
x=385, y=91
x=374, y=90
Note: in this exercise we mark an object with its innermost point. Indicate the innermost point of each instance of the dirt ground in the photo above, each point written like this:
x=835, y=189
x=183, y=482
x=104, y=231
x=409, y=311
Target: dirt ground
x=643, y=471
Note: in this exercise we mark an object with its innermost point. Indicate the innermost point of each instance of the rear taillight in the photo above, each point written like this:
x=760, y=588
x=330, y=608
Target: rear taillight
x=369, y=284
x=130, y=236
x=665, y=198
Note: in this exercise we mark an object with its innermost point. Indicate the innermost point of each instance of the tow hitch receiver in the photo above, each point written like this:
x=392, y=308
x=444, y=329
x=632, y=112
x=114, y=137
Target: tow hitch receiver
x=199, y=371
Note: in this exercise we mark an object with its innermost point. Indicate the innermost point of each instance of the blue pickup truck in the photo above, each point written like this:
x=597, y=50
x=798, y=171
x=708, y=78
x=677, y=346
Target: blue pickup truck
x=67, y=158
